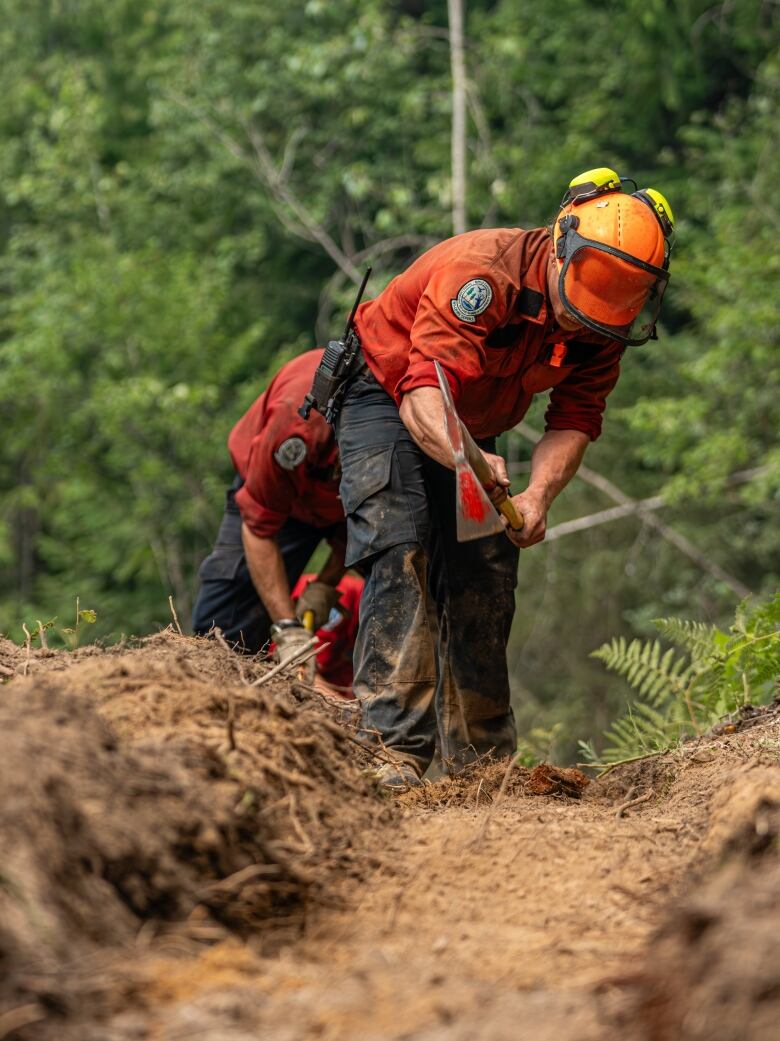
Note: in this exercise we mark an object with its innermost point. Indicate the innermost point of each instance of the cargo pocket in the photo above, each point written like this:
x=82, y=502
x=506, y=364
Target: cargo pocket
x=378, y=514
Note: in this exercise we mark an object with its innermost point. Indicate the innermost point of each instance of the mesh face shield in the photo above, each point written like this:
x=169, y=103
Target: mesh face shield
x=608, y=290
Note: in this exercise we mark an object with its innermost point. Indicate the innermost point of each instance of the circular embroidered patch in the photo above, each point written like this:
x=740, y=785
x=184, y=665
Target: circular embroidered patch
x=290, y=453
x=473, y=298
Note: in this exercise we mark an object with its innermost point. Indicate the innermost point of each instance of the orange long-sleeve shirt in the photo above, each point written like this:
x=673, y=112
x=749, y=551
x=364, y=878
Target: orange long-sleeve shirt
x=478, y=304
x=289, y=464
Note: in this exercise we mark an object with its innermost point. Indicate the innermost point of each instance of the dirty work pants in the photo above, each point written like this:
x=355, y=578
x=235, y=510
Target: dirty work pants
x=227, y=598
x=430, y=658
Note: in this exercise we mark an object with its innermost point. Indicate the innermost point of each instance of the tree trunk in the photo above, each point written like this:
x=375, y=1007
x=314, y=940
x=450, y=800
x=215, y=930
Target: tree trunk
x=458, y=64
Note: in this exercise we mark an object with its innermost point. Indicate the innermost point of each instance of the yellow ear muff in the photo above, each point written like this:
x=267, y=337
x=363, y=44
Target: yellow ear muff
x=659, y=204
x=591, y=183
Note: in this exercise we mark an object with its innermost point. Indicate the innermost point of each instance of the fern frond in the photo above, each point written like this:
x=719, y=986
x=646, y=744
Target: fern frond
x=765, y=670
x=653, y=676
x=740, y=616
x=642, y=729
x=716, y=675
x=698, y=638
x=587, y=751
x=765, y=618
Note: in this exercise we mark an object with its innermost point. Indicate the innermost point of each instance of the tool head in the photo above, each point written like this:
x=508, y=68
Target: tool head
x=451, y=421
x=475, y=513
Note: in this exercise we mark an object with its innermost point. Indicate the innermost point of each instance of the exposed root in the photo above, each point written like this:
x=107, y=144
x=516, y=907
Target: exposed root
x=630, y=803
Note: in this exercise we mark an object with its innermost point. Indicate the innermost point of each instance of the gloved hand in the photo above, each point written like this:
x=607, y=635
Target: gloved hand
x=289, y=640
x=320, y=599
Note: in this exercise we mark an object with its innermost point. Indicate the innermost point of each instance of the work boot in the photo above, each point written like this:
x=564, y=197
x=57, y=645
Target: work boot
x=397, y=777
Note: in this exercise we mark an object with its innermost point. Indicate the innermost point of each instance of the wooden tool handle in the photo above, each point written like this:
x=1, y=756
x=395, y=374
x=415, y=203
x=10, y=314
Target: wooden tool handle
x=515, y=519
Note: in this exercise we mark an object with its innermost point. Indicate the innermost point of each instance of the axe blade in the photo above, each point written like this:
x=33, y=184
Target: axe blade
x=475, y=514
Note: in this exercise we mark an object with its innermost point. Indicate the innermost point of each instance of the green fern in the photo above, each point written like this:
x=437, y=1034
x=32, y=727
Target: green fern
x=679, y=695
x=652, y=675
x=695, y=637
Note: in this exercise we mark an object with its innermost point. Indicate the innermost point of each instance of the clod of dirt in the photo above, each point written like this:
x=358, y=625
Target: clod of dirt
x=480, y=782
x=657, y=772
x=651, y=774
x=551, y=780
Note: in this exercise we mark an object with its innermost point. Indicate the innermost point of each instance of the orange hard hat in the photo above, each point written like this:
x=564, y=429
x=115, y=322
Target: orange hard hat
x=609, y=290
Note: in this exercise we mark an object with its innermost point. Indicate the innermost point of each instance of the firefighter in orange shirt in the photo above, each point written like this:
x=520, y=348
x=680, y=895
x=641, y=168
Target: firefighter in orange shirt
x=508, y=314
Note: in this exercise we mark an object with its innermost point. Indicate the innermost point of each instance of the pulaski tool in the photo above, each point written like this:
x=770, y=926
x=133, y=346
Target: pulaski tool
x=476, y=515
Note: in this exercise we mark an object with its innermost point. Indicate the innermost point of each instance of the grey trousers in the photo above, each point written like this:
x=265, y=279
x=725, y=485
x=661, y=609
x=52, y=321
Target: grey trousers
x=430, y=657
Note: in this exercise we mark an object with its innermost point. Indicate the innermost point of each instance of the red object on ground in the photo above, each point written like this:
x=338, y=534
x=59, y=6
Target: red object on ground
x=334, y=662
x=468, y=491
x=478, y=304
x=305, y=483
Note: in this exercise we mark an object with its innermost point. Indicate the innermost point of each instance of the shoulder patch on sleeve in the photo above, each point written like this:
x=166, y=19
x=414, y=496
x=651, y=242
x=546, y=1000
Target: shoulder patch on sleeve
x=473, y=299
x=290, y=453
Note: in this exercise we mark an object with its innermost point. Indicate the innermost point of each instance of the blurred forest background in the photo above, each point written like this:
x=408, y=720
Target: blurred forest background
x=188, y=192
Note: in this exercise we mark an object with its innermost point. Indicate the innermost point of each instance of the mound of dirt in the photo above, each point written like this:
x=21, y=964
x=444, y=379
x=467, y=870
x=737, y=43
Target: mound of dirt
x=137, y=790
x=28, y=661
x=713, y=970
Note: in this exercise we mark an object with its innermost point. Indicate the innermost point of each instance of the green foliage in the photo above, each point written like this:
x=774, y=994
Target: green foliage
x=721, y=415
x=537, y=744
x=48, y=633
x=84, y=616
x=681, y=695
x=654, y=676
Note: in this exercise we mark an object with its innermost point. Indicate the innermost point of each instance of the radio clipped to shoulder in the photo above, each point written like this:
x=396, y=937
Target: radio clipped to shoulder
x=337, y=365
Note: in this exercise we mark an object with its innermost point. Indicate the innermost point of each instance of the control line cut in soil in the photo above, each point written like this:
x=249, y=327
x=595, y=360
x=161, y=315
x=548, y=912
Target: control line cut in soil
x=183, y=855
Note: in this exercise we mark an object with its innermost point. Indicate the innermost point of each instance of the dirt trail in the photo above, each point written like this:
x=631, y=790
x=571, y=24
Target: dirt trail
x=449, y=913
x=527, y=928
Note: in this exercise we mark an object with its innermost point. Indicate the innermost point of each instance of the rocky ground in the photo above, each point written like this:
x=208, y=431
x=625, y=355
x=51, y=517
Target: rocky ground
x=185, y=855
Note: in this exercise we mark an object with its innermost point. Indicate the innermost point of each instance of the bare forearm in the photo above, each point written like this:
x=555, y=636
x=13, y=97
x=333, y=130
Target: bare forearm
x=422, y=413
x=266, y=569
x=555, y=460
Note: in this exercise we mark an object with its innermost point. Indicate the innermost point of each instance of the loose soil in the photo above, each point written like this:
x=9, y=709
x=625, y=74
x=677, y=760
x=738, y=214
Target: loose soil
x=184, y=855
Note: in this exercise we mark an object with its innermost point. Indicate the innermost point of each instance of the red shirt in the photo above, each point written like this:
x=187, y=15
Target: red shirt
x=289, y=465
x=337, y=636
x=478, y=303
